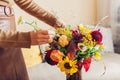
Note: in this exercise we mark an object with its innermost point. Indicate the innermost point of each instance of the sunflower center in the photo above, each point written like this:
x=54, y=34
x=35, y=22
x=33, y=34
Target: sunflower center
x=67, y=66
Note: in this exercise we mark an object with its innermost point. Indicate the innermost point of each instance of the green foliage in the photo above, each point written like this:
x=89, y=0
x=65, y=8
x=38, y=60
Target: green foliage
x=34, y=24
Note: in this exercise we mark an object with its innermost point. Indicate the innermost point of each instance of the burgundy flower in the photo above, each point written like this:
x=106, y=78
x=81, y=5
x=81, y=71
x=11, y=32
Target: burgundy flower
x=77, y=36
x=97, y=36
x=80, y=65
x=48, y=59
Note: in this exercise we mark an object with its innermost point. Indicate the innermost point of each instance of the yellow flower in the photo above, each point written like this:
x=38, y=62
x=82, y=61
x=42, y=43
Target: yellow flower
x=84, y=29
x=97, y=55
x=65, y=31
x=88, y=40
x=81, y=28
x=68, y=66
x=63, y=41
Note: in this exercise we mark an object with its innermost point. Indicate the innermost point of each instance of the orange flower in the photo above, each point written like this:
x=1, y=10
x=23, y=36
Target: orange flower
x=71, y=55
x=63, y=41
x=56, y=55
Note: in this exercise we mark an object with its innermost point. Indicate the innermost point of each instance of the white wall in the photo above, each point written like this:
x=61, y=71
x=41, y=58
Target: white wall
x=103, y=9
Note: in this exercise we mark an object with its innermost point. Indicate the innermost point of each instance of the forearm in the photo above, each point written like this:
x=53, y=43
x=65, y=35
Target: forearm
x=36, y=11
x=14, y=39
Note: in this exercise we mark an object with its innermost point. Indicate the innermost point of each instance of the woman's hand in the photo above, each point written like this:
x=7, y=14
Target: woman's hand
x=39, y=37
x=58, y=25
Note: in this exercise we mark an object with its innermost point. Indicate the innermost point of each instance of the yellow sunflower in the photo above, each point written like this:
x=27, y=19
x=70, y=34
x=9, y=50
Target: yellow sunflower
x=68, y=66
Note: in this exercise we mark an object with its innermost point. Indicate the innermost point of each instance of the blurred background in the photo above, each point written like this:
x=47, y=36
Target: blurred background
x=74, y=12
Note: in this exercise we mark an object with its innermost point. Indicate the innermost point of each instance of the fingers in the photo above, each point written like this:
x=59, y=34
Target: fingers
x=39, y=37
x=45, y=32
x=40, y=34
x=58, y=24
x=39, y=41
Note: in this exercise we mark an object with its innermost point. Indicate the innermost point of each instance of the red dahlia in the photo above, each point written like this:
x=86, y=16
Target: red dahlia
x=97, y=36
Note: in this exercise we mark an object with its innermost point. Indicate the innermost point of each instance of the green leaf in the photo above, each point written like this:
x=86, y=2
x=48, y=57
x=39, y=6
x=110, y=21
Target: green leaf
x=63, y=50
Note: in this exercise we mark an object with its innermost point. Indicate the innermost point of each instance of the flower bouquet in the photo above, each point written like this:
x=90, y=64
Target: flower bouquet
x=74, y=49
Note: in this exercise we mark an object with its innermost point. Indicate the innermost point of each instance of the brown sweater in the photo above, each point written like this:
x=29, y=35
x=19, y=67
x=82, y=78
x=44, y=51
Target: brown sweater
x=33, y=9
